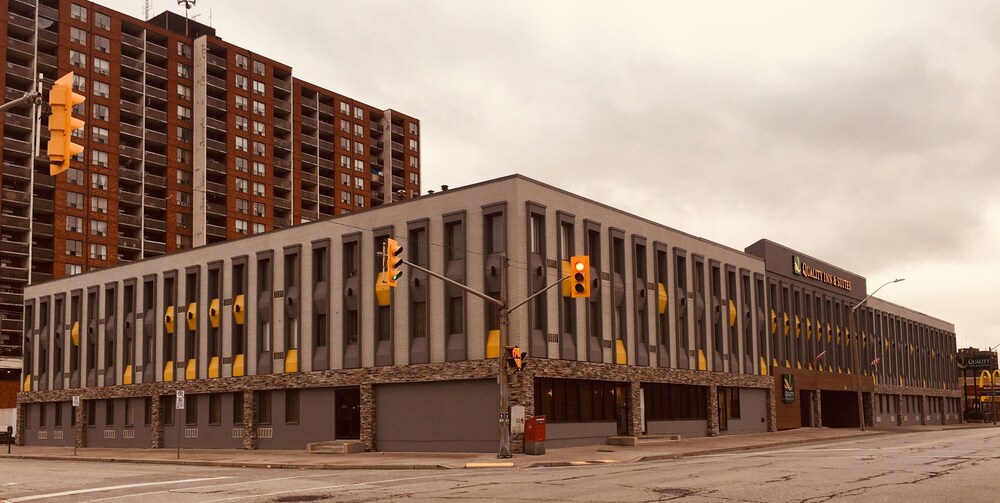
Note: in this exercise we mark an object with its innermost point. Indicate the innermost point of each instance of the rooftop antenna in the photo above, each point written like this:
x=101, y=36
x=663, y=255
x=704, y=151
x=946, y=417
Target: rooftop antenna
x=187, y=6
x=147, y=6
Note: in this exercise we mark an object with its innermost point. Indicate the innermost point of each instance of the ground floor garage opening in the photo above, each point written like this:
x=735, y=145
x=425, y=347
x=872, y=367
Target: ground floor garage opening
x=445, y=416
x=840, y=409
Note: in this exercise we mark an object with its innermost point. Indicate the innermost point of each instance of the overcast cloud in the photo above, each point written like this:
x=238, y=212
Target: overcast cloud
x=862, y=133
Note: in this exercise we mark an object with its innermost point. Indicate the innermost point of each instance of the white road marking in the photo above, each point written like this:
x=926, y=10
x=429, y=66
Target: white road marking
x=108, y=488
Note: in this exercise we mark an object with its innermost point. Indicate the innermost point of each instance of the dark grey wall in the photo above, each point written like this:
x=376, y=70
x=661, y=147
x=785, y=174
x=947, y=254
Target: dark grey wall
x=455, y=416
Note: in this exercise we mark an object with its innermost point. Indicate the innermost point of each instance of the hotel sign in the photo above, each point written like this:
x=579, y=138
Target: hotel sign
x=788, y=388
x=803, y=269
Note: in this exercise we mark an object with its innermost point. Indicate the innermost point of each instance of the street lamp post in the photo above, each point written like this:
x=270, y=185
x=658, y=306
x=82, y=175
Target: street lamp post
x=857, y=342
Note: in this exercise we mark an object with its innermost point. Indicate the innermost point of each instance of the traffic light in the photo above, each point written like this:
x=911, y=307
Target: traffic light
x=62, y=124
x=393, y=261
x=579, y=267
x=516, y=358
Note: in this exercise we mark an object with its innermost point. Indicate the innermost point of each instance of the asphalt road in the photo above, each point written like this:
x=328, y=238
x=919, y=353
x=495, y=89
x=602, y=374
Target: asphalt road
x=955, y=465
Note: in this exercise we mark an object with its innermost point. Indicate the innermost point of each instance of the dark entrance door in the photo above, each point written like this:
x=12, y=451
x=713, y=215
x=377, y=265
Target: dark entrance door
x=621, y=405
x=347, y=417
x=805, y=407
x=720, y=396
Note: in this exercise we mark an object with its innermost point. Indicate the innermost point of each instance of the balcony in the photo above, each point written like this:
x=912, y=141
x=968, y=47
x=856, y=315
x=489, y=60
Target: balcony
x=128, y=243
x=282, y=202
x=216, y=61
x=132, y=63
x=326, y=200
x=216, y=103
x=309, y=159
x=12, y=273
x=283, y=125
x=16, y=172
x=375, y=128
x=282, y=85
x=130, y=130
x=155, y=180
x=282, y=164
x=156, y=159
x=48, y=39
x=309, y=196
x=215, y=188
x=155, y=247
x=130, y=175
x=281, y=222
x=131, y=40
x=156, y=138
x=26, y=25
x=158, y=50
x=308, y=177
x=378, y=178
x=397, y=132
x=216, y=209
x=156, y=116
x=129, y=198
x=283, y=183
x=156, y=93
x=129, y=220
x=42, y=229
x=14, y=248
x=44, y=180
x=216, y=82
x=326, y=110
x=216, y=146
x=21, y=48
x=15, y=222
x=47, y=63
x=155, y=224
x=215, y=124
x=216, y=167
x=215, y=231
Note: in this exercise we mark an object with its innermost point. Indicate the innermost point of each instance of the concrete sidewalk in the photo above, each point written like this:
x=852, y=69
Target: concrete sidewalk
x=569, y=456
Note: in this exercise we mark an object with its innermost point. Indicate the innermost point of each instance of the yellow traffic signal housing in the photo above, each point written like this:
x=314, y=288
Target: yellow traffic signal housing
x=61, y=148
x=392, y=262
x=516, y=358
x=579, y=279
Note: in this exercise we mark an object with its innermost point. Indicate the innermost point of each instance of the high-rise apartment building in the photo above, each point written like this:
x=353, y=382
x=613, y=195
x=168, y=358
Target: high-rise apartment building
x=190, y=140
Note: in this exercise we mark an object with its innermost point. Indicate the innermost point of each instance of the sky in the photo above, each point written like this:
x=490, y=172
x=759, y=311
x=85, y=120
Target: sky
x=862, y=133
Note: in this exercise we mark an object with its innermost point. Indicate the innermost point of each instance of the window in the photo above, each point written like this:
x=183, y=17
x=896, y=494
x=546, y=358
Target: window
x=99, y=181
x=263, y=407
x=74, y=176
x=183, y=242
x=359, y=183
x=675, y=401
x=345, y=197
x=241, y=61
x=345, y=125
x=214, y=409
x=102, y=66
x=414, y=128
x=74, y=200
x=183, y=92
x=414, y=162
x=98, y=228
x=576, y=400
x=191, y=410
x=259, y=128
x=258, y=108
x=242, y=103
x=413, y=144
x=101, y=112
x=241, y=164
x=258, y=67
x=359, y=113
x=183, y=49
x=77, y=12
x=77, y=59
x=98, y=251
x=241, y=144
x=74, y=248
x=241, y=185
x=183, y=113
x=259, y=210
x=345, y=162
x=359, y=165
x=100, y=135
x=183, y=220
x=77, y=36
x=291, y=406
x=102, y=21
x=241, y=226
x=359, y=130
x=258, y=88
x=259, y=168
x=415, y=178
x=241, y=123
x=345, y=144
x=258, y=148
x=74, y=224
x=183, y=177
x=184, y=134
x=359, y=148
x=98, y=204
x=183, y=71
x=73, y=269
x=258, y=228
x=241, y=82
x=183, y=199
x=99, y=158
x=242, y=206
x=359, y=200
x=102, y=44
x=345, y=179
x=183, y=156
x=258, y=189
x=102, y=89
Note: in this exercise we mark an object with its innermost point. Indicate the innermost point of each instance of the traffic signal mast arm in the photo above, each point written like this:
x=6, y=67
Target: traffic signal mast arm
x=477, y=293
x=33, y=97
x=543, y=290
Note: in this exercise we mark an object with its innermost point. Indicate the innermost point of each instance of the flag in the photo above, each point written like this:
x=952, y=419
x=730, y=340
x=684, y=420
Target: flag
x=876, y=361
x=818, y=357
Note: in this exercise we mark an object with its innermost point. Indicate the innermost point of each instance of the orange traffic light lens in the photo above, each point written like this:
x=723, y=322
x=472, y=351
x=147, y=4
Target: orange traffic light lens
x=578, y=266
